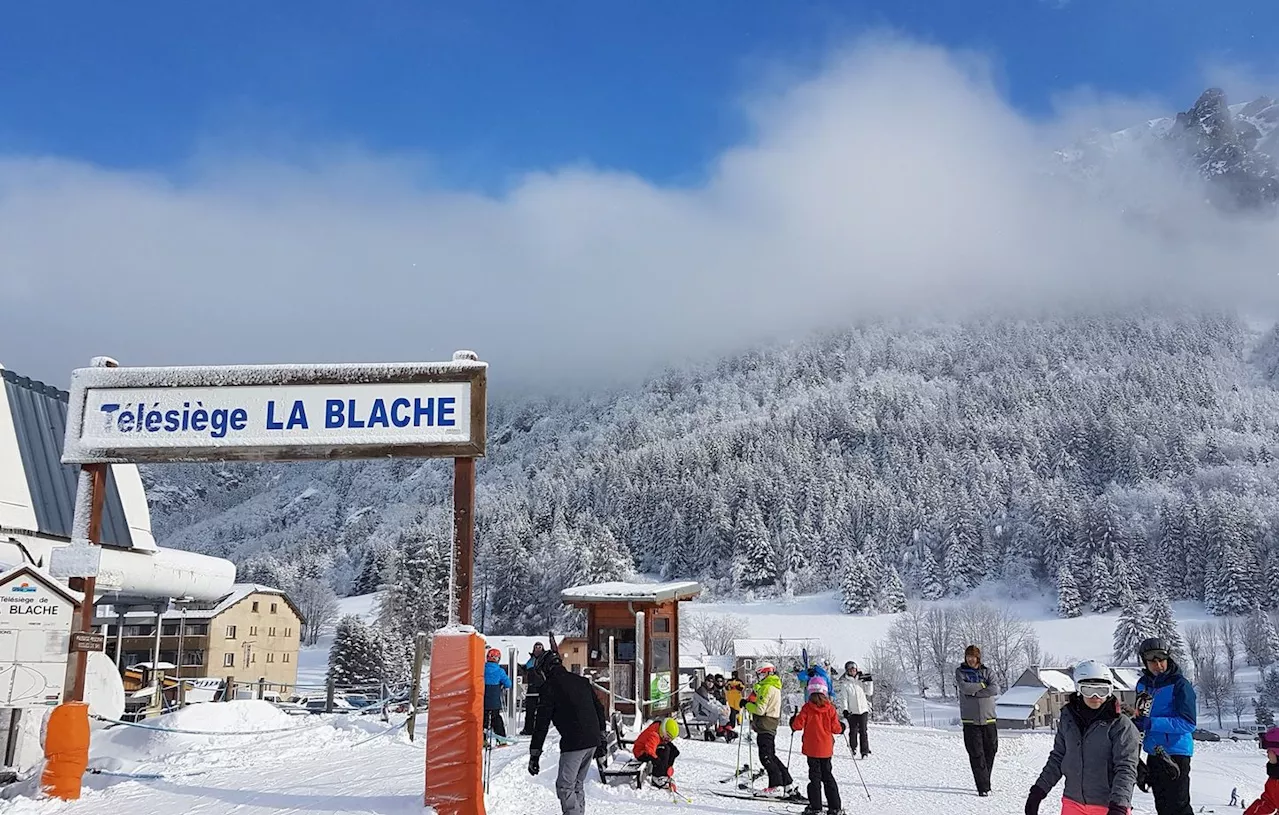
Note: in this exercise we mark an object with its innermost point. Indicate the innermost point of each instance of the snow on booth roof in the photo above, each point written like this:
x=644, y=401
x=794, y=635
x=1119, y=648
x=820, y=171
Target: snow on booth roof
x=636, y=592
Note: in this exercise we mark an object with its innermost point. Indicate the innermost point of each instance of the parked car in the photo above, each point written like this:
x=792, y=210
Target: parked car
x=1205, y=735
x=1249, y=731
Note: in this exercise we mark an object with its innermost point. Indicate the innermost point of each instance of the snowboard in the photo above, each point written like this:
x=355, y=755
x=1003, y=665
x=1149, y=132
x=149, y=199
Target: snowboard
x=744, y=795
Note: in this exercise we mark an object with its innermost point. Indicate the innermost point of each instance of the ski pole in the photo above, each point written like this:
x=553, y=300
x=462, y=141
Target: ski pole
x=854, y=756
x=791, y=747
x=737, y=765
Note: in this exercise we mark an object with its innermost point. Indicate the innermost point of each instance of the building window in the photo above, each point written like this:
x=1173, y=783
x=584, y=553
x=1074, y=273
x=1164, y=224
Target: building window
x=271, y=657
x=284, y=657
x=231, y=632
x=253, y=657
x=288, y=632
x=253, y=630
x=170, y=630
x=193, y=657
x=271, y=632
x=228, y=660
x=200, y=630
x=273, y=608
x=662, y=625
x=255, y=607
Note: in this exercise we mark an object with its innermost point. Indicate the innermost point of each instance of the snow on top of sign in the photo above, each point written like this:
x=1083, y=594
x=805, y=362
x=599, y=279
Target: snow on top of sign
x=220, y=375
x=652, y=592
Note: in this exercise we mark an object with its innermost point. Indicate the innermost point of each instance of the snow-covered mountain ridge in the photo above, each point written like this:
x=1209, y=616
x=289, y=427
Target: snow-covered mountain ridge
x=1234, y=146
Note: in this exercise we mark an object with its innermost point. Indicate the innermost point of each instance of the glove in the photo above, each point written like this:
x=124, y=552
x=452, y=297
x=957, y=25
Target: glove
x=812, y=672
x=1144, y=783
x=848, y=714
x=601, y=750
x=792, y=722
x=1117, y=809
x=1033, y=801
x=751, y=697
x=534, y=769
x=1166, y=765
x=1143, y=704
x=844, y=728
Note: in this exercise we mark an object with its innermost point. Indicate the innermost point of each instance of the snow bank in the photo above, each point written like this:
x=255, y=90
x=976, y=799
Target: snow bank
x=246, y=716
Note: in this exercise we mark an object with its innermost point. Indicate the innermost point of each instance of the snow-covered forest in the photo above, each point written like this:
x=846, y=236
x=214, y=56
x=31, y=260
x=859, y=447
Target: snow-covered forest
x=1104, y=455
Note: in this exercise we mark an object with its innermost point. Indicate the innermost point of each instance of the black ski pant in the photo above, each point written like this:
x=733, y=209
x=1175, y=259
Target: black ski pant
x=821, y=780
x=530, y=712
x=664, y=759
x=858, y=733
x=981, y=741
x=1173, y=795
x=493, y=721
x=766, y=746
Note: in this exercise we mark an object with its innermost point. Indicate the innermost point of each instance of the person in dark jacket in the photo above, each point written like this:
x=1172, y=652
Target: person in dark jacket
x=1166, y=721
x=1095, y=750
x=495, y=679
x=977, y=688
x=533, y=680
x=568, y=702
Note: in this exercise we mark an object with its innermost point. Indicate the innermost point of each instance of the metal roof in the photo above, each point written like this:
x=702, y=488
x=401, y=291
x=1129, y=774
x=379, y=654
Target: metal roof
x=40, y=422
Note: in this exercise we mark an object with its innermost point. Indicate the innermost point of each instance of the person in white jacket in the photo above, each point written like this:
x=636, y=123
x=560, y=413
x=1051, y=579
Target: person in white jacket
x=853, y=698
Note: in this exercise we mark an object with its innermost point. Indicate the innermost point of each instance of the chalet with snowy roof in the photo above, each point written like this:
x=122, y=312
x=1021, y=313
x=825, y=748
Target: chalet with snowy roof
x=612, y=610
x=250, y=634
x=781, y=651
x=1037, y=697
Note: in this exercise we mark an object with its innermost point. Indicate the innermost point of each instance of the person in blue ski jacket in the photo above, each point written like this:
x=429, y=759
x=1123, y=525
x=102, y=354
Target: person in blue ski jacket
x=495, y=679
x=805, y=674
x=1165, y=713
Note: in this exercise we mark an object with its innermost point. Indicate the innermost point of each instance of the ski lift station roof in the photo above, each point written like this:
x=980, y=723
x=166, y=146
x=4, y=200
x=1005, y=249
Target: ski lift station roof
x=632, y=592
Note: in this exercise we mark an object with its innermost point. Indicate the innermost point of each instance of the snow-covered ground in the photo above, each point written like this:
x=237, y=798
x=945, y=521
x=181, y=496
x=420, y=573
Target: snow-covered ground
x=329, y=765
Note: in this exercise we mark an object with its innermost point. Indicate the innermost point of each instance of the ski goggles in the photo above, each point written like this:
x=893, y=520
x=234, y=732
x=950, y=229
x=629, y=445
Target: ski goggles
x=1095, y=690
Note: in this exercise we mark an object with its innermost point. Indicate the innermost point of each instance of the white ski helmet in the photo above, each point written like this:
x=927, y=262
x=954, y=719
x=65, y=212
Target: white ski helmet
x=765, y=668
x=1092, y=672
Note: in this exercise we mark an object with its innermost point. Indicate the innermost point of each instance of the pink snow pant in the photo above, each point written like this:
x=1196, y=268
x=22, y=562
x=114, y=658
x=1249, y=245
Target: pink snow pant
x=1070, y=807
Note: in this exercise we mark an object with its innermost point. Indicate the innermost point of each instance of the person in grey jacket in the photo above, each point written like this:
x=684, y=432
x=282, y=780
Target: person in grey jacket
x=1095, y=750
x=978, y=690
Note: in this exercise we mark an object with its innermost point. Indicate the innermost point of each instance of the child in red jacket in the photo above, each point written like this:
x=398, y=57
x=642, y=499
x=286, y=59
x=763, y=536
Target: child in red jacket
x=821, y=725
x=654, y=745
x=1270, y=800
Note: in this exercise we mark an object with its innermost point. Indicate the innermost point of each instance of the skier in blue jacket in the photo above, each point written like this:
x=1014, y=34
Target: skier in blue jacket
x=495, y=679
x=1166, y=716
x=805, y=674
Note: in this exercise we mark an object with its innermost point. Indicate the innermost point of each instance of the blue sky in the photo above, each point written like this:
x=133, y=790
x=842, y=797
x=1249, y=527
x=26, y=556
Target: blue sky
x=489, y=89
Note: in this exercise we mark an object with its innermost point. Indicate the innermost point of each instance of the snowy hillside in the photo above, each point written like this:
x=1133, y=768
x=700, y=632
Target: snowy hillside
x=333, y=765
x=942, y=455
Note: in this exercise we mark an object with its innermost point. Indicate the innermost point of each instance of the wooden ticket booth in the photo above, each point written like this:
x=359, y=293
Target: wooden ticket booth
x=648, y=653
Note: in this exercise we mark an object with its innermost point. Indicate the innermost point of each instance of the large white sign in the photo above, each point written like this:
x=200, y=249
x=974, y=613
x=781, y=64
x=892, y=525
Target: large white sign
x=276, y=412
x=35, y=635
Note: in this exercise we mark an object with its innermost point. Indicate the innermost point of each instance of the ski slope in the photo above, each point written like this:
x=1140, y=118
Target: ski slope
x=329, y=765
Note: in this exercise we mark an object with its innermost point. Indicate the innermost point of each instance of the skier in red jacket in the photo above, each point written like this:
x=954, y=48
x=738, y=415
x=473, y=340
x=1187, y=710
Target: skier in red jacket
x=655, y=745
x=1269, y=803
x=821, y=725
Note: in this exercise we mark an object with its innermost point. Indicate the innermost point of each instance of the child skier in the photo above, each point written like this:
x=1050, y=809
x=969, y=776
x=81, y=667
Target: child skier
x=764, y=703
x=1269, y=803
x=654, y=745
x=821, y=724
x=495, y=679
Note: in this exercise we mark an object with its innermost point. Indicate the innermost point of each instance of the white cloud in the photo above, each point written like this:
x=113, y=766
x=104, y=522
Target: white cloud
x=897, y=178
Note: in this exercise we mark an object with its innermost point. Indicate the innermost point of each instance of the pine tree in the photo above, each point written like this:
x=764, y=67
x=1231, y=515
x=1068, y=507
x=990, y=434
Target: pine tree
x=1069, y=601
x=1104, y=589
x=893, y=597
x=760, y=562
x=931, y=587
x=1269, y=688
x=1262, y=714
x=1160, y=623
x=355, y=658
x=857, y=592
x=1262, y=645
x=1128, y=631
